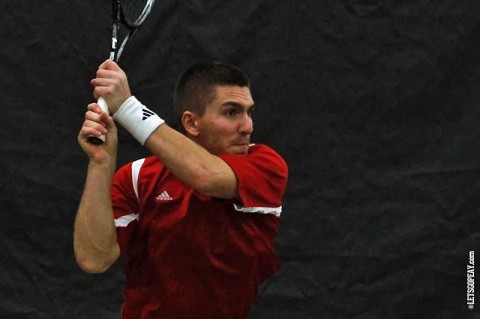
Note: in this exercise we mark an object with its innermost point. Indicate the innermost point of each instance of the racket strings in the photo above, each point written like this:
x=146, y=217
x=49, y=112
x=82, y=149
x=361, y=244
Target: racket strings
x=135, y=11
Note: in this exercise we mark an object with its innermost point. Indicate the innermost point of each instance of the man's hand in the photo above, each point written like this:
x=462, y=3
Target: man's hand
x=111, y=83
x=99, y=123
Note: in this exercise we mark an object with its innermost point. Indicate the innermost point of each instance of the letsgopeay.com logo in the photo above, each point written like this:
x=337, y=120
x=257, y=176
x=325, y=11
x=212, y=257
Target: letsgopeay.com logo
x=471, y=280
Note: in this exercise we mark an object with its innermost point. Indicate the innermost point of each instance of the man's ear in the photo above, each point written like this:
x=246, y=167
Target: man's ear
x=189, y=122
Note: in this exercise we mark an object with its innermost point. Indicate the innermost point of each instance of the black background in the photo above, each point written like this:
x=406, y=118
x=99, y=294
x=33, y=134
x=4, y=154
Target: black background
x=373, y=104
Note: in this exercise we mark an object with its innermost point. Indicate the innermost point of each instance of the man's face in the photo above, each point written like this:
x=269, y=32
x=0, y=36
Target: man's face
x=226, y=125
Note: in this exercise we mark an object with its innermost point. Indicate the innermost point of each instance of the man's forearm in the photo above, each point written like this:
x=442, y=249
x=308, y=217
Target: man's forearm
x=192, y=164
x=95, y=242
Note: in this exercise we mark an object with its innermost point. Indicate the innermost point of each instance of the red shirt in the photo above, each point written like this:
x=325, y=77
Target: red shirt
x=193, y=256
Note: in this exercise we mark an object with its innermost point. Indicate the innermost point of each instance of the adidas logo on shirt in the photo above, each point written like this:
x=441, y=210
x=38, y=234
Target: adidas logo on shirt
x=146, y=114
x=163, y=196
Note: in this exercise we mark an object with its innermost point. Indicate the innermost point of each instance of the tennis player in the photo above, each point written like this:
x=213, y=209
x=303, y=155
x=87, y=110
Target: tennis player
x=197, y=219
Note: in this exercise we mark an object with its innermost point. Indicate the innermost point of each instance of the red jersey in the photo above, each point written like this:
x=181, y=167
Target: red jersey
x=193, y=256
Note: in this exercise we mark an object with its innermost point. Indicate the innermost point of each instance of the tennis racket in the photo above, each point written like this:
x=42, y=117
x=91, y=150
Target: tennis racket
x=130, y=13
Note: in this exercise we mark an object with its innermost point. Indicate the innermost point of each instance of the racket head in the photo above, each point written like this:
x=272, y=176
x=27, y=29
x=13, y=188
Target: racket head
x=134, y=12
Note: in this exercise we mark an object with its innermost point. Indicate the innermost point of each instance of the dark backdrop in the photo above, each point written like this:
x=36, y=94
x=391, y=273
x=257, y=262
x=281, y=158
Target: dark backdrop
x=374, y=105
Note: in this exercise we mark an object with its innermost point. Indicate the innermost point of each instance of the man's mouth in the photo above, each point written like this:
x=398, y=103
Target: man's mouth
x=241, y=143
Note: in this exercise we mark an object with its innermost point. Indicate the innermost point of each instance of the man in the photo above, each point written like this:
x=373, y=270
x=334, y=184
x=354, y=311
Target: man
x=197, y=220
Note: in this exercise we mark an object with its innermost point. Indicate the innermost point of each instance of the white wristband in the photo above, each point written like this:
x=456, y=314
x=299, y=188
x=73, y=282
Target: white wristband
x=137, y=119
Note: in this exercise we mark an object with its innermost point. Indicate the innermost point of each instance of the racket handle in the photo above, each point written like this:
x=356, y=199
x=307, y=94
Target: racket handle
x=99, y=139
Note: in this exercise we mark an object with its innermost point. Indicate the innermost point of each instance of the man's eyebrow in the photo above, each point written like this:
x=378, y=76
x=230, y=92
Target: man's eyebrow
x=236, y=105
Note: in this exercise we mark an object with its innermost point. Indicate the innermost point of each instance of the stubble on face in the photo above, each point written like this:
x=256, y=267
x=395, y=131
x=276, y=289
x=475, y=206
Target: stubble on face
x=226, y=125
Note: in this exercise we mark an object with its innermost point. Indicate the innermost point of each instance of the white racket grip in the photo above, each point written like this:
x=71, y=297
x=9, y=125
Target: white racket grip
x=103, y=104
x=100, y=139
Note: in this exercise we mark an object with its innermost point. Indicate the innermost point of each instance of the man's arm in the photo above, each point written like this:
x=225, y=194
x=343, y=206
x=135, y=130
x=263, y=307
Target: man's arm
x=188, y=161
x=95, y=242
x=192, y=164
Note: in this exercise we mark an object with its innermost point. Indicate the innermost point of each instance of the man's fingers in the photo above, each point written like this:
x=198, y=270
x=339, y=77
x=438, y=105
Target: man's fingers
x=99, y=128
x=95, y=108
x=106, y=74
x=96, y=118
x=109, y=65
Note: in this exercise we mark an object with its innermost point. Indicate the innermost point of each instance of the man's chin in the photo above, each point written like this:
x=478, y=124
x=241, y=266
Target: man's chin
x=239, y=149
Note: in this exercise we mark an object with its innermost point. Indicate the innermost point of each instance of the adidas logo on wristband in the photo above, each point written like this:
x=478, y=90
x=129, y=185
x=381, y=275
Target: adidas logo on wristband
x=146, y=114
x=128, y=116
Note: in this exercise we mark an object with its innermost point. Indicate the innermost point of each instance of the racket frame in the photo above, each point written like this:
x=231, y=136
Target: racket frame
x=119, y=17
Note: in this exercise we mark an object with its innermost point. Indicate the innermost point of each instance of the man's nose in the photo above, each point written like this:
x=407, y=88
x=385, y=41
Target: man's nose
x=246, y=124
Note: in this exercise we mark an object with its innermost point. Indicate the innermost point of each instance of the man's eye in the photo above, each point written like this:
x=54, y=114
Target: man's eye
x=231, y=112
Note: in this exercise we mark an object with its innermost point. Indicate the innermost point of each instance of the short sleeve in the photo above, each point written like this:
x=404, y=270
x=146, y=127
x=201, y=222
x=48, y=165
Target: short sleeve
x=125, y=206
x=262, y=176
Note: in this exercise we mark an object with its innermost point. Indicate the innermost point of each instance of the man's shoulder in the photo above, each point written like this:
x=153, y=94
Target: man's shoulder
x=258, y=147
x=263, y=150
x=147, y=163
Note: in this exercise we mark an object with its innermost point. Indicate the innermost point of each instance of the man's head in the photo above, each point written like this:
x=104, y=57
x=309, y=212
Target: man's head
x=213, y=104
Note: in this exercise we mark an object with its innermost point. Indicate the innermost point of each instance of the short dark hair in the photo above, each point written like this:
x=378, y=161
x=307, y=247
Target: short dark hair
x=194, y=88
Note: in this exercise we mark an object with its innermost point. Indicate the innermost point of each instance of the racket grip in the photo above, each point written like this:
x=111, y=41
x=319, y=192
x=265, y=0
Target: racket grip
x=99, y=139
